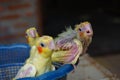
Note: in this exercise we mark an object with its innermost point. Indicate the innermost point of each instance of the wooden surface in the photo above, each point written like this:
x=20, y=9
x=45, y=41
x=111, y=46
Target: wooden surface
x=89, y=69
x=111, y=62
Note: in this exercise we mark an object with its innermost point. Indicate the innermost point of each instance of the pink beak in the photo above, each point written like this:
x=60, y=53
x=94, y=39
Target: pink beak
x=32, y=32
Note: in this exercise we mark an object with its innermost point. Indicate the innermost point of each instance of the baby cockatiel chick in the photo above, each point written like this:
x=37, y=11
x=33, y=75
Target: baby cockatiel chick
x=72, y=43
x=31, y=35
x=84, y=34
x=40, y=63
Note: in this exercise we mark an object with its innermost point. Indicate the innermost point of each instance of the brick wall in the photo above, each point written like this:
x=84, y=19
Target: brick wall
x=15, y=17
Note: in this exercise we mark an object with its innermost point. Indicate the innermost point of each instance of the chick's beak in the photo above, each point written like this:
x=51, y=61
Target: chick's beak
x=39, y=49
x=81, y=33
x=32, y=32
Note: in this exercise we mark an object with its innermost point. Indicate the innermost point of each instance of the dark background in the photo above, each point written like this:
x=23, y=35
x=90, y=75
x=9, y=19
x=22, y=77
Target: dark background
x=103, y=15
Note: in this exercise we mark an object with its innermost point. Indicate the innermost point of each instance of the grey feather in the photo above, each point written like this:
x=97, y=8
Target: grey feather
x=67, y=35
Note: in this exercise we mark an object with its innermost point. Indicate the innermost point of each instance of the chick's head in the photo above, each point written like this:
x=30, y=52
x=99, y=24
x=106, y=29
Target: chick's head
x=84, y=30
x=31, y=33
x=45, y=46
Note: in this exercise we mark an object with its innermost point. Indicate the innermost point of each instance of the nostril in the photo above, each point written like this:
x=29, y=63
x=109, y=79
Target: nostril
x=87, y=31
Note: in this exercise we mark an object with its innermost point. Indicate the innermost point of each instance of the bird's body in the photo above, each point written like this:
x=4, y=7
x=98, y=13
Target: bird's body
x=32, y=36
x=68, y=47
x=39, y=61
x=68, y=53
x=72, y=43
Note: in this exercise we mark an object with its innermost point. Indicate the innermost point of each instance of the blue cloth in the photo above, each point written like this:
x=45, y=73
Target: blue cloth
x=14, y=53
x=12, y=58
x=53, y=75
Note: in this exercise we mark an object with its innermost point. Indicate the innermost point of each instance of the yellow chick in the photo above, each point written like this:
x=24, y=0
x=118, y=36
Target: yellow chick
x=84, y=34
x=70, y=44
x=40, y=63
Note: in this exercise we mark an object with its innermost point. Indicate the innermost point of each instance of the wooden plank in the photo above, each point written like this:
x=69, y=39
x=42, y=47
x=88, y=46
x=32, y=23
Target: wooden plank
x=89, y=69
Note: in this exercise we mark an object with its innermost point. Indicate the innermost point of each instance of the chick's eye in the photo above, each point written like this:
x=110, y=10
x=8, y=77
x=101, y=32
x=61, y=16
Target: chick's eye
x=42, y=45
x=80, y=29
x=26, y=34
